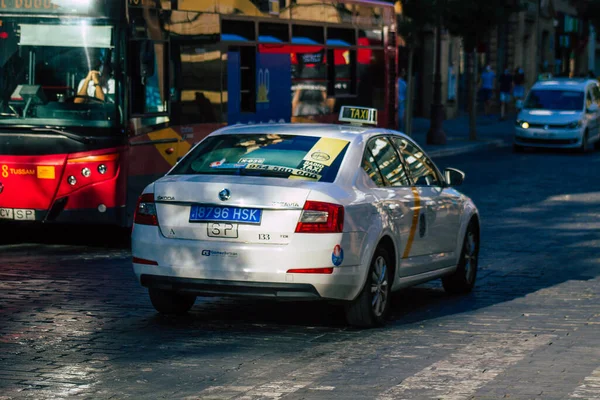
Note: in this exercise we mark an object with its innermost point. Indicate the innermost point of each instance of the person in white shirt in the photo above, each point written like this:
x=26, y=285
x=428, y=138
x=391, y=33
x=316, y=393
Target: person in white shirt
x=96, y=84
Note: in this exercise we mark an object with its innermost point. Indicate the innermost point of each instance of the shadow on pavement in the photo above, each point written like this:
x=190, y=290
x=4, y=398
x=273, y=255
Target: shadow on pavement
x=75, y=235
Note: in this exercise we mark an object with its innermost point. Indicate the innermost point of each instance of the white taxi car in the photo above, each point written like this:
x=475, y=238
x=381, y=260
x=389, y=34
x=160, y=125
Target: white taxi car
x=304, y=212
x=561, y=113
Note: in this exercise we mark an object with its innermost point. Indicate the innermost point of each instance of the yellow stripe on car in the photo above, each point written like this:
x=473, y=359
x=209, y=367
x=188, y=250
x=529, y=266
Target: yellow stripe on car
x=415, y=222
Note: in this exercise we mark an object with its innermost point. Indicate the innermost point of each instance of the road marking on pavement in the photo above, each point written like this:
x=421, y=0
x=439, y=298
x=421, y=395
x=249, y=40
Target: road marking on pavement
x=463, y=372
x=590, y=388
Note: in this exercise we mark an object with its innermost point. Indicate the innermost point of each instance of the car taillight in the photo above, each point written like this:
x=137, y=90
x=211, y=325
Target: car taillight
x=145, y=212
x=320, y=217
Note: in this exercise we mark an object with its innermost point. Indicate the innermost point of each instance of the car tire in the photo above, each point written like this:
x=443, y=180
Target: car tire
x=463, y=279
x=372, y=305
x=170, y=302
x=517, y=148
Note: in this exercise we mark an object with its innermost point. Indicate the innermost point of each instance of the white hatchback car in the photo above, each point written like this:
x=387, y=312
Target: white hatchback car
x=560, y=113
x=304, y=212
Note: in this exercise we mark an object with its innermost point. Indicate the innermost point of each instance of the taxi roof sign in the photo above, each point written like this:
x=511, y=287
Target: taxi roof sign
x=358, y=115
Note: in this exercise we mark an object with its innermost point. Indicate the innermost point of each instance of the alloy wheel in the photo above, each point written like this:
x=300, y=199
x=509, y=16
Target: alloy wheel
x=379, y=286
x=470, y=256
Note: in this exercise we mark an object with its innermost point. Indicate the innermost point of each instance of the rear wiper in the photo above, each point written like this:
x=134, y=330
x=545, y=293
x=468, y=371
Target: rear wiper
x=80, y=139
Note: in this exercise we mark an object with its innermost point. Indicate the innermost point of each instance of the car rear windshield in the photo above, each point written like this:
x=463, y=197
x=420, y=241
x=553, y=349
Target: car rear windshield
x=271, y=155
x=564, y=100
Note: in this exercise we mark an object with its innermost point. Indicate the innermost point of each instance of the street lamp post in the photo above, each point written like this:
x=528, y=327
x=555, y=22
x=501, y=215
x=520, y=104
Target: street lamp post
x=436, y=134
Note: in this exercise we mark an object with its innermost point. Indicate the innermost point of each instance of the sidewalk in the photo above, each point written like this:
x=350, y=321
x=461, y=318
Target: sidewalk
x=491, y=133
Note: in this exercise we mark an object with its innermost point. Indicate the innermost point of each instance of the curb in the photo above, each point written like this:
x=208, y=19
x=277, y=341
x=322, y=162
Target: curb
x=468, y=148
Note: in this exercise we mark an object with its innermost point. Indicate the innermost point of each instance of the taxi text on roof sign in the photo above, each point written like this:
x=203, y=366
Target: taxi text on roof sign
x=358, y=115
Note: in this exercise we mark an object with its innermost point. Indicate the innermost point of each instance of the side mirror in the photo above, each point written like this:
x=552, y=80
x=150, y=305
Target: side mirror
x=592, y=108
x=454, y=177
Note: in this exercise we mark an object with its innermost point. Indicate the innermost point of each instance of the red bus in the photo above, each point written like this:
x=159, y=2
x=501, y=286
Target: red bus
x=100, y=97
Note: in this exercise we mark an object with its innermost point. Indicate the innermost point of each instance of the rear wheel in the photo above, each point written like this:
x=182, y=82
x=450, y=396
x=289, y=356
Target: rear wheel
x=517, y=148
x=463, y=279
x=371, y=307
x=170, y=302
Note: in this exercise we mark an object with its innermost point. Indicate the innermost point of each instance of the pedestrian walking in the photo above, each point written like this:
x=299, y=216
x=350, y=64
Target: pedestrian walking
x=506, y=87
x=401, y=99
x=487, y=88
x=519, y=84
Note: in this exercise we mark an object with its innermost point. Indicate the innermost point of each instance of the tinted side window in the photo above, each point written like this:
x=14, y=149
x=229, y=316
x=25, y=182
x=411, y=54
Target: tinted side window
x=386, y=158
x=421, y=168
x=368, y=164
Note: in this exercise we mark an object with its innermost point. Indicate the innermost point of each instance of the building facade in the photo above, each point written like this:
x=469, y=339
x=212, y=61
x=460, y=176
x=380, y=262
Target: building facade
x=545, y=38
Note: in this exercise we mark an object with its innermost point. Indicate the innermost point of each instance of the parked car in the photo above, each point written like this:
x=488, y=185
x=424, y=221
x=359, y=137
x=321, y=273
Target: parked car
x=345, y=213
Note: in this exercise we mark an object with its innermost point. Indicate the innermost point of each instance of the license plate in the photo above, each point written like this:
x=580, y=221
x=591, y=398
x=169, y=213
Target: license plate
x=222, y=230
x=202, y=213
x=18, y=214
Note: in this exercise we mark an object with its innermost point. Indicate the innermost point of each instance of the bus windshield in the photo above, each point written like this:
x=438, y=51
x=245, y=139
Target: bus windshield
x=57, y=72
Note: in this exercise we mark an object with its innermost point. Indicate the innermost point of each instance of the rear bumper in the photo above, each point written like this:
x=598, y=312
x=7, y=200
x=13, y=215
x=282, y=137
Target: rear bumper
x=244, y=269
x=208, y=287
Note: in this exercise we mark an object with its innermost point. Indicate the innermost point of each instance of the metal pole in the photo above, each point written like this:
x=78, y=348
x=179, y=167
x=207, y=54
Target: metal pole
x=436, y=134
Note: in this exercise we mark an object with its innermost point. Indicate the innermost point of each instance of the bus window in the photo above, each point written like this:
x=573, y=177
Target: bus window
x=248, y=79
x=309, y=81
x=148, y=77
x=371, y=80
x=198, y=80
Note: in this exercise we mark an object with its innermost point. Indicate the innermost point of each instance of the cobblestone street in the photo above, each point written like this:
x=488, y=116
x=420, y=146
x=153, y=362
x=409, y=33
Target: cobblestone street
x=75, y=322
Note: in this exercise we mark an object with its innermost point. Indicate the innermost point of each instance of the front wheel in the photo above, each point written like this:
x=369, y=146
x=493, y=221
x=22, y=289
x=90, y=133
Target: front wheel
x=371, y=306
x=517, y=148
x=170, y=302
x=463, y=279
